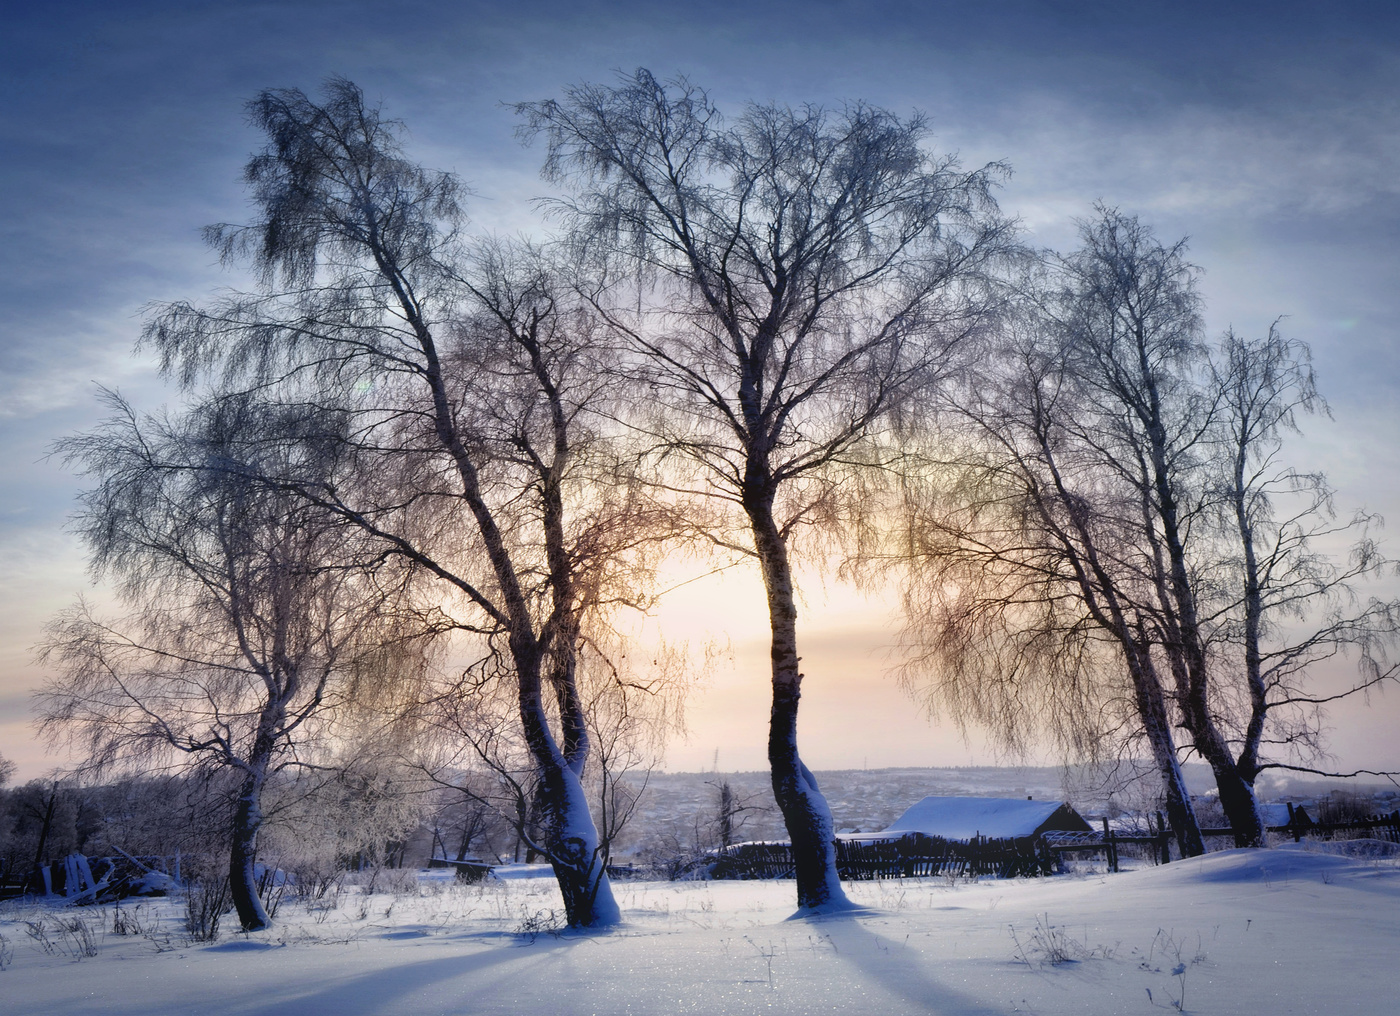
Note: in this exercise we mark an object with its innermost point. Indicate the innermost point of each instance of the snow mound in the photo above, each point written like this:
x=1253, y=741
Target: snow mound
x=1268, y=867
x=843, y=908
x=1365, y=847
x=244, y=945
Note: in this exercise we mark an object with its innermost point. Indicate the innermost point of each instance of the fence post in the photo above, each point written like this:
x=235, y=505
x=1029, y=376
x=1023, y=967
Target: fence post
x=1166, y=839
x=1293, y=823
x=1112, y=847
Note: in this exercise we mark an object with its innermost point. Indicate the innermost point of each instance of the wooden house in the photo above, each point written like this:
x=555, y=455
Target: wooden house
x=965, y=818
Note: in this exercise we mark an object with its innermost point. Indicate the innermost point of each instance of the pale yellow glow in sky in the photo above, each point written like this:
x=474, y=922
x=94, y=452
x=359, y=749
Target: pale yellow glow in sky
x=854, y=714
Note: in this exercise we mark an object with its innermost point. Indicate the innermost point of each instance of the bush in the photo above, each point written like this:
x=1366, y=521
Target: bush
x=206, y=902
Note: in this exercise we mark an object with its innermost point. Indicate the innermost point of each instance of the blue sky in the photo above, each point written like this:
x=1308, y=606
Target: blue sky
x=1267, y=132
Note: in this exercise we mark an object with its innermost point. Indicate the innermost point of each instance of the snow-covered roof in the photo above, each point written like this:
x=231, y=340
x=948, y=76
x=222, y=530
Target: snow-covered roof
x=1275, y=813
x=961, y=818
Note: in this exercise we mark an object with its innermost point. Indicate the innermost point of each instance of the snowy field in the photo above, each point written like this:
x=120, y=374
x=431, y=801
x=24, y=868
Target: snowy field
x=1251, y=932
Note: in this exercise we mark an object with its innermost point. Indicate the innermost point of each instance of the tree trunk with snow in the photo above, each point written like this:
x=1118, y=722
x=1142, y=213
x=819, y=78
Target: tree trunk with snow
x=571, y=841
x=1156, y=724
x=805, y=811
x=243, y=852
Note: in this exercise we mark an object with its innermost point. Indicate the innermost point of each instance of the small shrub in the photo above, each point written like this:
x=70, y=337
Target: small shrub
x=1051, y=944
x=38, y=931
x=140, y=922
x=767, y=955
x=77, y=937
x=271, y=886
x=1173, y=951
x=395, y=882
x=1342, y=806
x=206, y=902
x=315, y=884
x=129, y=921
x=541, y=922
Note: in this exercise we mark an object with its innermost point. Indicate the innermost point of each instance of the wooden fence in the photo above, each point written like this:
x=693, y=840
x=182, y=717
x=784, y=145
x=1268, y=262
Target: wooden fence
x=909, y=856
x=1381, y=827
x=915, y=855
x=1109, y=842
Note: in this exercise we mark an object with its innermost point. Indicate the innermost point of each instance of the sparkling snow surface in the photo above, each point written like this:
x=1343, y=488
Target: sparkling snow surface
x=1242, y=931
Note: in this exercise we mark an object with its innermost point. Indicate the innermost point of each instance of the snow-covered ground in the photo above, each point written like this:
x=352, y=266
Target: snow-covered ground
x=1288, y=930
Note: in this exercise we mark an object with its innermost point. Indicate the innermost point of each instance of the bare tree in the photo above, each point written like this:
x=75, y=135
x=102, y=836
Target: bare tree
x=629, y=718
x=1120, y=485
x=1025, y=600
x=1119, y=431
x=462, y=387
x=787, y=281
x=1129, y=309
x=1131, y=305
x=251, y=613
x=1286, y=605
x=732, y=813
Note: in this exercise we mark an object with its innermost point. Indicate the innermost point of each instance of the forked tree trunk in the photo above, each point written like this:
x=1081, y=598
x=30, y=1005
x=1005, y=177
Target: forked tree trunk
x=1186, y=644
x=1235, y=785
x=1107, y=608
x=1241, y=805
x=1237, y=797
x=243, y=886
x=572, y=840
x=570, y=837
x=805, y=811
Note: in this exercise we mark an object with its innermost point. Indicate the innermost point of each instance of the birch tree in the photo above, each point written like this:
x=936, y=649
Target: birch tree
x=462, y=387
x=1289, y=606
x=1124, y=481
x=1029, y=609
x=785, y=282
x=251, y=617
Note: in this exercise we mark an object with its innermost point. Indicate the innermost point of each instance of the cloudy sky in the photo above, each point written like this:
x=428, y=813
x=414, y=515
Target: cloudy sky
x=1267, y=132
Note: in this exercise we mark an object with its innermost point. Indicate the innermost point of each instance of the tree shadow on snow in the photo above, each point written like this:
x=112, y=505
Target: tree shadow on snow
x=391, y=988
x=901, y=971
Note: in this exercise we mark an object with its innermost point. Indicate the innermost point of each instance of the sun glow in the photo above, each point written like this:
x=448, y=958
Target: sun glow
x=854, y=712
